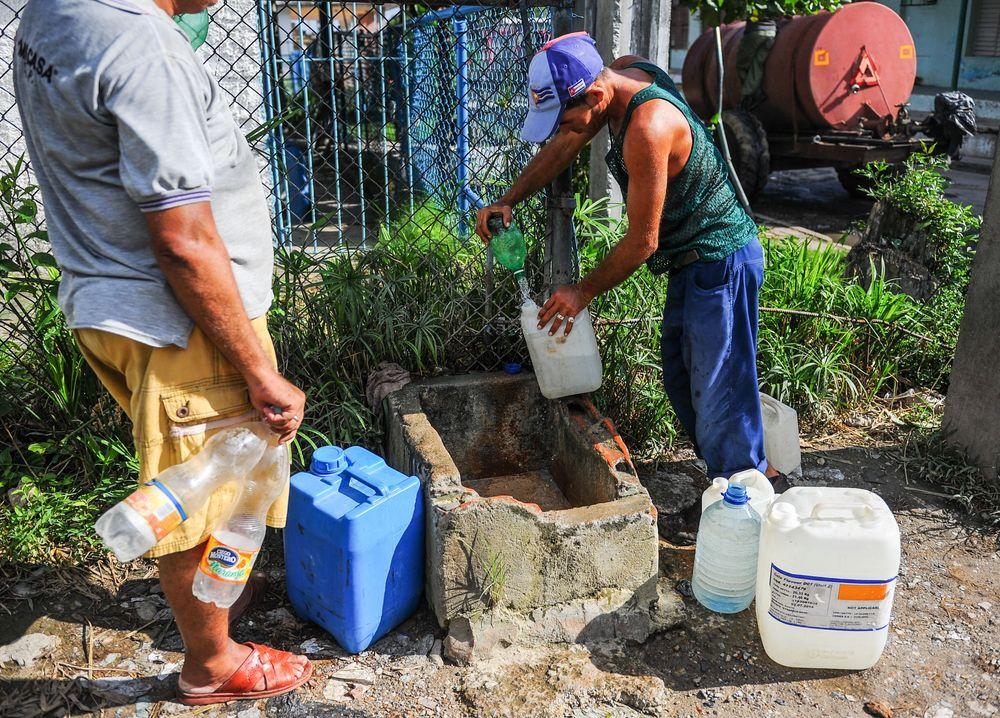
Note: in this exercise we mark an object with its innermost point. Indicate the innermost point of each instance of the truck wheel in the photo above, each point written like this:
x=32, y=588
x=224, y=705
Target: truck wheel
x=748, y=149
x=853, y=183
x=856, y=184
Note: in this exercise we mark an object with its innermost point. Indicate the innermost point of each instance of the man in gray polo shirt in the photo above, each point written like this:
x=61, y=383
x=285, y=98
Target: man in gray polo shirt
x=160, y=226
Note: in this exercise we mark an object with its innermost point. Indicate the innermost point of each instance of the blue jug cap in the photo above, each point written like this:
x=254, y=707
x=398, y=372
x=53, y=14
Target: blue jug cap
x=512, y=368
x=736, y=494
x=328, y=460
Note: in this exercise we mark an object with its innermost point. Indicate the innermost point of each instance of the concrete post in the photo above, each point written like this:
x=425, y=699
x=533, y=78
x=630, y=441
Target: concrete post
x=972, y=410
x=623, y=27
x=562, y=260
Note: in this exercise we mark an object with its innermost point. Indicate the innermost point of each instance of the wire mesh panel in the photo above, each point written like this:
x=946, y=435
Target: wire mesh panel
x=464, y=152
x=374, y=110
x=387, y=127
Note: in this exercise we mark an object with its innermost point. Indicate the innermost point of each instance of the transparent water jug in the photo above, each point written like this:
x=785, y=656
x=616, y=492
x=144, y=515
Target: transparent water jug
x=758, y=487
x=781, y=435
x=725, y=555
x=138, y=522
x=564, y=365
x=233, y=547
x=826, y=576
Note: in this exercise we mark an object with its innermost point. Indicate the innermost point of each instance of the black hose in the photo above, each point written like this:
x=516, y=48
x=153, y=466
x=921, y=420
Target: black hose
x=740, y=194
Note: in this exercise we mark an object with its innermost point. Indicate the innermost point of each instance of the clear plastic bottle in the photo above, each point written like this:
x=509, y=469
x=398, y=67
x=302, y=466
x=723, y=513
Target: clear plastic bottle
x=233, y=547
x=138, y=522
x=725, y=557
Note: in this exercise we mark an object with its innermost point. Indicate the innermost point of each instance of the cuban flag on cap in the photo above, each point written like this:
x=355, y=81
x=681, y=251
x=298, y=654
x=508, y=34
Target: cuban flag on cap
x=563, y=69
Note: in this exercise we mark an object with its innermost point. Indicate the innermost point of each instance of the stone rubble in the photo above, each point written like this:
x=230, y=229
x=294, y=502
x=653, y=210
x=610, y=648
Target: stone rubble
x=28, y=649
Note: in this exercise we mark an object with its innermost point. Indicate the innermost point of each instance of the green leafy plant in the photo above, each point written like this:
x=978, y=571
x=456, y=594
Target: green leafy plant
x=67, y=445
x=950, y=231
x=918, y=189
x=717, y=12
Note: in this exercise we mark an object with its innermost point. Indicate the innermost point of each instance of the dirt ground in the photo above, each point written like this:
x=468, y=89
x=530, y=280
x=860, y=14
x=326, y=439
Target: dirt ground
x=117, y=651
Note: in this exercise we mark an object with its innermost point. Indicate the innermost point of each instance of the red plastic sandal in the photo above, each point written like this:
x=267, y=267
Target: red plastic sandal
x=263, y=662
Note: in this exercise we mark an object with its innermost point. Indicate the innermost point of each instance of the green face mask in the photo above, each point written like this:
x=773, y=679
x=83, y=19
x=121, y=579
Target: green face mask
x=195, y=26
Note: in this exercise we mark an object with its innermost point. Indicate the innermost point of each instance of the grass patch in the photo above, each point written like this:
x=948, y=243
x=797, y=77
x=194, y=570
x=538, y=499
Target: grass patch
x=928, y=454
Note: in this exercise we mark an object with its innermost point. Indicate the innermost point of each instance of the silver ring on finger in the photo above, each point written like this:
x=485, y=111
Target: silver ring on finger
x=295, y=418
x=559, y=316
x=570, y=319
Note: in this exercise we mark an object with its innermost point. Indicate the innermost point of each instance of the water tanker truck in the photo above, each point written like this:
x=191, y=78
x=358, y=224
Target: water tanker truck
x=834, y=93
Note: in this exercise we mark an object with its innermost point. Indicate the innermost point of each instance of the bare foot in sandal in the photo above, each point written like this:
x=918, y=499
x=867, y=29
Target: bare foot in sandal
x=244, y=671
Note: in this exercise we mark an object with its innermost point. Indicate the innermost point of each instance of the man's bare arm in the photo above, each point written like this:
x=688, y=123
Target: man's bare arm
x=545, y=166
x=195, y=261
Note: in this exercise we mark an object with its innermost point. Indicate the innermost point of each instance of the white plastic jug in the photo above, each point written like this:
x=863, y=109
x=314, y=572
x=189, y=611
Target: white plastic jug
x=757, y=485
x=826, y=576
x=781, y=435
x=564, y=365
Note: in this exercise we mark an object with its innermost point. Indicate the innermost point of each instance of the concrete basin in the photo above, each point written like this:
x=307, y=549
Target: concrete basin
x=537, y=524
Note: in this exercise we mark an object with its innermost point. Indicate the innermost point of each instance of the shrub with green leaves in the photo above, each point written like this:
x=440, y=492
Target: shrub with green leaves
x=717, y=12
x=66, y=448
x=917, y=188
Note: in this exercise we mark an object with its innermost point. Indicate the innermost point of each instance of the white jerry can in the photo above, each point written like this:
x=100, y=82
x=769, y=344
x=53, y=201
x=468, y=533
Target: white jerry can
x=781, y=435
x=563, y=365
x=826, y=577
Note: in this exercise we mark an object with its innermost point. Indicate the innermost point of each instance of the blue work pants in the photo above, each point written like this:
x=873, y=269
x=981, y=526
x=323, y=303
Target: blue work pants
x=709, y=351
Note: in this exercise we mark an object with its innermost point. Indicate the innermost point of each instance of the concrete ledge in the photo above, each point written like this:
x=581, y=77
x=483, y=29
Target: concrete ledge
x=610, y=616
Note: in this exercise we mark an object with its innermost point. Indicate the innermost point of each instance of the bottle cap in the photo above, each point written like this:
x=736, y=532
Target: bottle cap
x=736, y=494
x=494, y=223
x=328, y=460
x=512, y=368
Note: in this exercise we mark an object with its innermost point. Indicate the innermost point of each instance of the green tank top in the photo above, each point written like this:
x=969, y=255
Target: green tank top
x=701, y=211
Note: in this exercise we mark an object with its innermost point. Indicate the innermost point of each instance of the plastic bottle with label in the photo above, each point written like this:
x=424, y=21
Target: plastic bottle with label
x=233, y=547
x=725, y=557
x=137, y=523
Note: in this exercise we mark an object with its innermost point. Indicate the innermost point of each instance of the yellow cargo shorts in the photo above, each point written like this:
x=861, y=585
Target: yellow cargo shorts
x=177, y=399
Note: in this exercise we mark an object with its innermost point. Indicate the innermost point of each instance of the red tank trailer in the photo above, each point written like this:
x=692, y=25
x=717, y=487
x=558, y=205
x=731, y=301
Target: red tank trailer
x=835, y=92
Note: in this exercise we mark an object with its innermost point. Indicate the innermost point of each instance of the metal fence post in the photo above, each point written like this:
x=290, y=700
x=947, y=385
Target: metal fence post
x=462, y=120
x=562, y=261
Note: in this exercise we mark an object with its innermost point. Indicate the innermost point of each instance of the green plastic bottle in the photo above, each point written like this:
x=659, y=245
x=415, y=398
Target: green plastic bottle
x=507, y=244
x=195, y=26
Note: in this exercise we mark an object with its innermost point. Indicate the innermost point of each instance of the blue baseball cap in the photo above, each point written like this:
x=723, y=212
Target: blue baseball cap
x=563, y=69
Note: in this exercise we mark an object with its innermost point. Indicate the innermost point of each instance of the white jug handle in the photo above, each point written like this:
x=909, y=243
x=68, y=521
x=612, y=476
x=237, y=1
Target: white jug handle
x=767, y=405
x=861, y=511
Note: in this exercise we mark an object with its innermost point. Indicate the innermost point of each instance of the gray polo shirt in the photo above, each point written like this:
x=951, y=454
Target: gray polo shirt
x=121, y=119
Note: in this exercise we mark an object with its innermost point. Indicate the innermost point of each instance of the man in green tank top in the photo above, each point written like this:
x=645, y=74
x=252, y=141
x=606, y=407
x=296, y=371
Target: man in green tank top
x=683, y=220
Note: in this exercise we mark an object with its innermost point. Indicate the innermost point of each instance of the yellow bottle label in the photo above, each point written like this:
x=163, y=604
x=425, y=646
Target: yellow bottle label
x=159, y=507
x=226, y=563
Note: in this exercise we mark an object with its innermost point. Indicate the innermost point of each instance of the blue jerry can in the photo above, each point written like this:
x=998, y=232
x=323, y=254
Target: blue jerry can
x=354, y=545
